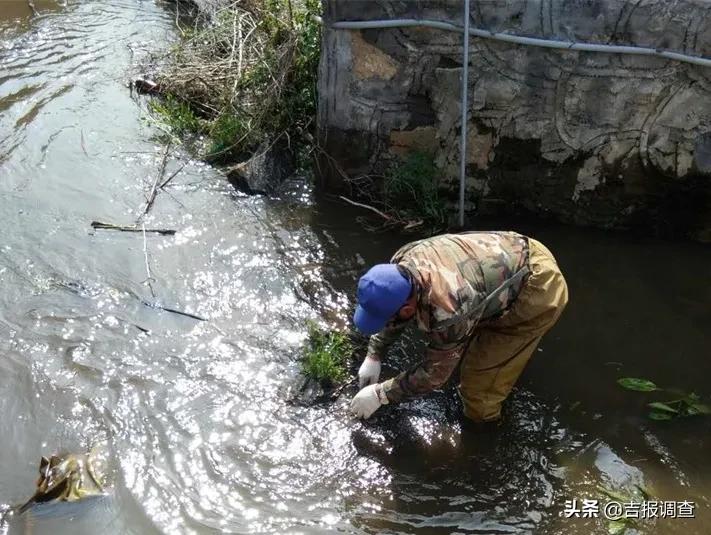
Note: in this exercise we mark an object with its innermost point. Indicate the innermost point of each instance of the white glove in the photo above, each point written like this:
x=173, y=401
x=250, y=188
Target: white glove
x=368, y=400
x=369, y=372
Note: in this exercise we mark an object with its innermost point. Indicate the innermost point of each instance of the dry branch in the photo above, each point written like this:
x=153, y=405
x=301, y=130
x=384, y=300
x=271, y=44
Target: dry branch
x=368, y=207
x=133, y=228
x=154, y=190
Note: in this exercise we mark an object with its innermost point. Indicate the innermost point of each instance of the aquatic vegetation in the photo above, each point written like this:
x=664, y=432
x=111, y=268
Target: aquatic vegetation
x=640, y=385
x=638, y=494
x=683, y=405
x=325, y=355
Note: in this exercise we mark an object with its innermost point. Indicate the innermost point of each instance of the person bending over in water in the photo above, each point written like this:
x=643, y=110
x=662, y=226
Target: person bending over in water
x=482, y=298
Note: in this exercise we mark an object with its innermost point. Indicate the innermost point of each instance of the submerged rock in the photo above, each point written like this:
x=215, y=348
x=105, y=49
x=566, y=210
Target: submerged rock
x=270, y=165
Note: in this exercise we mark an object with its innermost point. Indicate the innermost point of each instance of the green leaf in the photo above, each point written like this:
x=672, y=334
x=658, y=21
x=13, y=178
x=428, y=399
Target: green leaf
x=616, y=527
x=693, y=397
x=614, y=494
x=659, y=406
x=658, y=415
x=701, y=408
x=633, y=383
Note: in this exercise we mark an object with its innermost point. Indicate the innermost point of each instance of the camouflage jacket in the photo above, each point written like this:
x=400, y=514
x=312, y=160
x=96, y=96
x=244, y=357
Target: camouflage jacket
x=453, y=274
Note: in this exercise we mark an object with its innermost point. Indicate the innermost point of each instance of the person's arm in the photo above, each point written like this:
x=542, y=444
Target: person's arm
x=369, y=371
x=380, y=343
x=444, y=350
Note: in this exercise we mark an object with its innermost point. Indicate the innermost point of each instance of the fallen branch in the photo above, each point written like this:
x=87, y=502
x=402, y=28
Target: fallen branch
x=173, y=311
x=368, y=207
x=83, y=146
x=149, y=277
x=338, y=391
x=134, y=228
x=171, y=177
x=154, y=189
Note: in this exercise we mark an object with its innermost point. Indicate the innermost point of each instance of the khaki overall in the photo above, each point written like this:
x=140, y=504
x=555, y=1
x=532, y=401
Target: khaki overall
x=499, y=349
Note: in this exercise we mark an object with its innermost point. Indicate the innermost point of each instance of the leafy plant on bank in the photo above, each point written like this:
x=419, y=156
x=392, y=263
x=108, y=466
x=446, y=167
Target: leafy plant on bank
x=406, y=196
x=325, y=356
x=681, y=406
x=178, y=116
x=411, y=188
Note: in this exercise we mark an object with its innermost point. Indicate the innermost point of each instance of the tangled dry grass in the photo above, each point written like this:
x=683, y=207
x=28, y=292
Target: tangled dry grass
x=247, y=67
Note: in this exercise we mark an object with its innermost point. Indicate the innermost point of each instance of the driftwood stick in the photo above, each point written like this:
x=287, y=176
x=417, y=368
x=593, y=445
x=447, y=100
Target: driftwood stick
x=174, y=311
x=368, y=207
x=111, y=226
x=171, y=177
x=154, y=189
x=338, y=391
x=149, y=277
x=83, y=146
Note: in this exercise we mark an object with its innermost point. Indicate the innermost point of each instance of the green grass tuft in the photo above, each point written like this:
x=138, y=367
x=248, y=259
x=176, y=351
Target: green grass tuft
x=326, y=355
x=227, y=132
x=177, y=115
x=411, y=187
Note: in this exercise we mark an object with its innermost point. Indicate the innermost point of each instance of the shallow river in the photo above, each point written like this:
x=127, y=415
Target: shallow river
x=194, y=414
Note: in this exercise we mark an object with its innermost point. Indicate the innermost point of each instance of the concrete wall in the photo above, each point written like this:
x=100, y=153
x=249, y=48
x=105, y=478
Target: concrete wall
x=594, y=139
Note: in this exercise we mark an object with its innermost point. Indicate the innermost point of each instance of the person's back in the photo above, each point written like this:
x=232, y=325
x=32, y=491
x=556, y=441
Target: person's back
x=457, y=272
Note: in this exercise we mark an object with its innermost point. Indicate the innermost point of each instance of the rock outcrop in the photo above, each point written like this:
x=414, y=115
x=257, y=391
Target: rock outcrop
x=590, y=138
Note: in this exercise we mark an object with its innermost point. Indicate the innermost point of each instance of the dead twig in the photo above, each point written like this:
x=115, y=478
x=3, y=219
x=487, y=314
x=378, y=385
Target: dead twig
x=83, y=146
x=173, y=311
x=149, y=277
x=177, y=18
x=368, y=207
x=338, y=391
x=154, y=189
x=134, y=228
x=171, y=177
x=31, y=4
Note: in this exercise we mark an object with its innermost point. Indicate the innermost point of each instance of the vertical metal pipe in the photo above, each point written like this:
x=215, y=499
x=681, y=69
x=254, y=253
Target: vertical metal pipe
x=465, y=90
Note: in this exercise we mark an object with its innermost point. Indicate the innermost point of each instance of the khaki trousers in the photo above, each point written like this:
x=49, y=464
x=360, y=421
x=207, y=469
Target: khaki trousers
x=499, y=349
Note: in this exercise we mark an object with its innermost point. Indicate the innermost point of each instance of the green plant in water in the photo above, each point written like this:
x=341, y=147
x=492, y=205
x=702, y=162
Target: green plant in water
x=326, y=354
x=176, y=114
x=411, y=188
x=684, y=405
x=638, y=494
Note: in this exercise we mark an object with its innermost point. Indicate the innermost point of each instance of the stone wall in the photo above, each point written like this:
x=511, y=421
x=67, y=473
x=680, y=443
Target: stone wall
x=589, y=138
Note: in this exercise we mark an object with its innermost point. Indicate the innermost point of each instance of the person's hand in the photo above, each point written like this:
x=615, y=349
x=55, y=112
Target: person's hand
x=369, y=372
x=368, y=400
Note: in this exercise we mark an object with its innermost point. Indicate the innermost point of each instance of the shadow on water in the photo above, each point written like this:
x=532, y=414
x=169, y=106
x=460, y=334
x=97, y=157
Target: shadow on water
x=194, y=412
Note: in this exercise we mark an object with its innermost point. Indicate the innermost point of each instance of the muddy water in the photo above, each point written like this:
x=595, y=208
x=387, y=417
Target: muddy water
x=194, y=414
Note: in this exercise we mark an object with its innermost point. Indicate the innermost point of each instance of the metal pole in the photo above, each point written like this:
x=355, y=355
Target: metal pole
x=465, y=90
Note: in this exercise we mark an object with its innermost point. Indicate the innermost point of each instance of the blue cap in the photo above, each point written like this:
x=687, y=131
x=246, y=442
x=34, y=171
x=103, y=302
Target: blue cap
x=382, y=291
